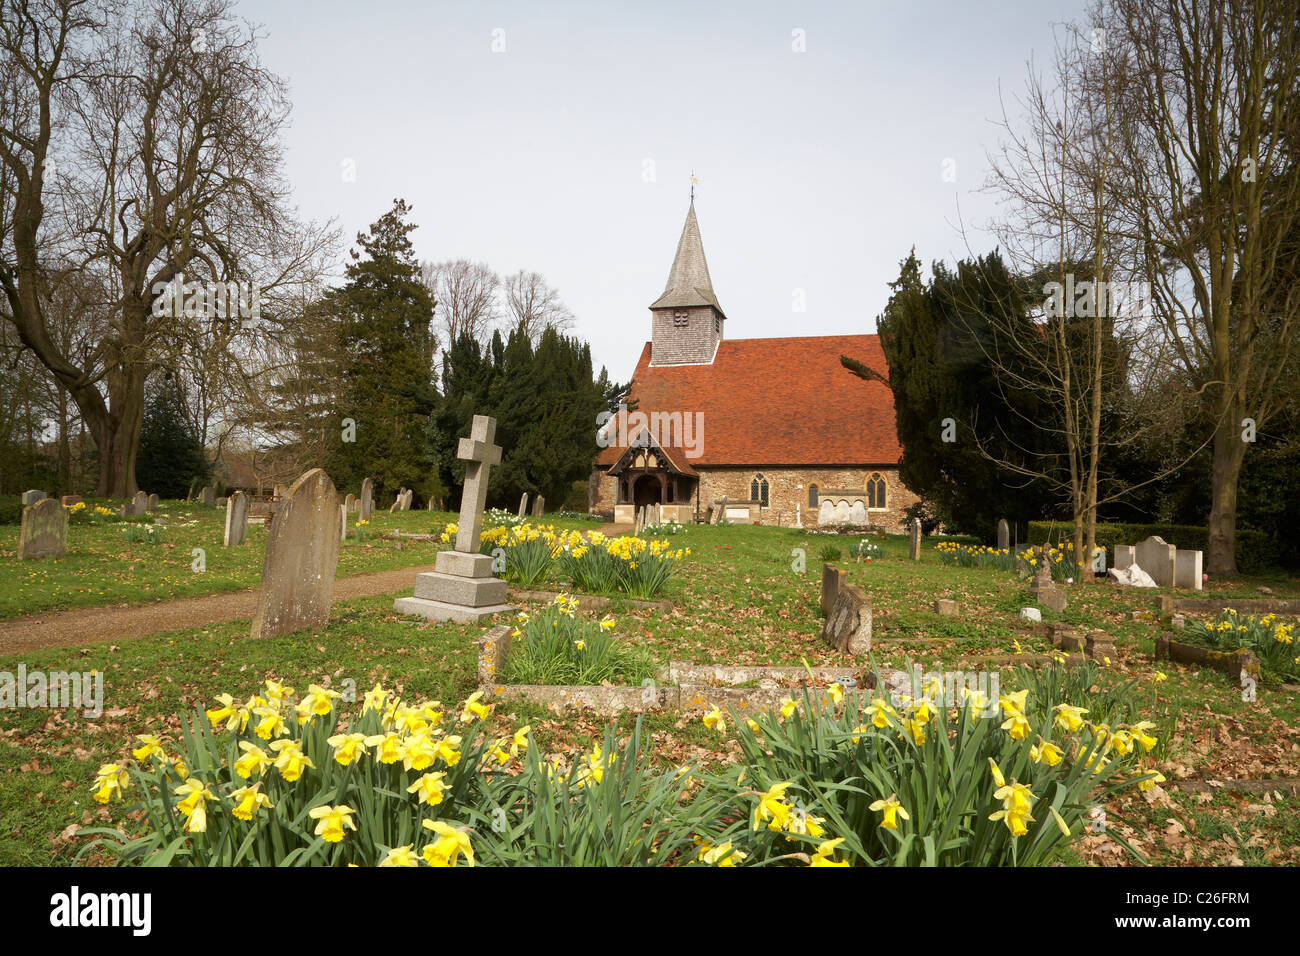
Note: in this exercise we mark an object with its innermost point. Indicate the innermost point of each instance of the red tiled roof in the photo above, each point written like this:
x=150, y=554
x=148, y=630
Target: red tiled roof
x=773, y=402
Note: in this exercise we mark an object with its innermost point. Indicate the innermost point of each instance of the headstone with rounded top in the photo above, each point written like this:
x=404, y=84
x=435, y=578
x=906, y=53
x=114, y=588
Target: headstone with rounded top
x=44, y=530
x=1004, y=535
x=350, y=502
x=539, y=507
x=302, y=556
x=523, y=505
x=236, y=519
x=151, y=504
x=208, y=496
x=367, y=498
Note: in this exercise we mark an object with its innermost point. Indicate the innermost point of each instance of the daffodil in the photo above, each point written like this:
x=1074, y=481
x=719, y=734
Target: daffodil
x=331, y=822
x=772, y=807
x=1069, y=718
x=430, y=788
x=1016, y=725
x=1046, y=752
x=474, y=709
x=520, y=740
x=448, y=846
x=291, y=760
x=389, y=747
x=822, y=855
x=419, y=752
x=347, y=747
x=149, y=745
x=880, y=712
x=317, y=703
x=217, y=715
x=1016, y=802
x=272, y=723
x=891, y=810
x=788, y=707
x=248, y=800
x=836, y=694
x=713, y=720
x=255, y=760
x=400, y=856
x=1149, y=783
x=194, y=805
x=109, y=780
x=374, y=700
x=721, y=855
x=1146, y=740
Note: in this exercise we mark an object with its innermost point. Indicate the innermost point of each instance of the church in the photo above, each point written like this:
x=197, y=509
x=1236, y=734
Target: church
x=773, y=431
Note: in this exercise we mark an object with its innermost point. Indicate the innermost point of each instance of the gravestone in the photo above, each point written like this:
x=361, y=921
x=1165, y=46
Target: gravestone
x=69, y=500
x=1187, y=569
x=139, y=503
x=848, y=628
x=1123, y=556
x=945, y=607
x=208, y=496
x=1044, y=589
x=429, y=506
x=914, y=551
x=302, y=554
x=1004, y=535
x=44, y=530
x=523, y=505
x=151, y=504
x=1157, y=559
x=32, y=496
x=461, y=587
x=825, y=514
x=124, y=511
x=833, y=579
x=858, y=513
x=408, y=499
x=350, y=502
x=236, y=519
x=343, y=523
x=367, y=498
x=842, y=513
x=1098, y=560
x=539, y=507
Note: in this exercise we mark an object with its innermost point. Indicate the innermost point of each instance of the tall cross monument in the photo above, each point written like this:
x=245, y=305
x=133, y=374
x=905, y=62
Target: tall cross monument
x=461, y=587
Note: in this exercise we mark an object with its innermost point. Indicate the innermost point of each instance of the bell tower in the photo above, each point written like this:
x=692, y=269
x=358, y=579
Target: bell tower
x=687, y=321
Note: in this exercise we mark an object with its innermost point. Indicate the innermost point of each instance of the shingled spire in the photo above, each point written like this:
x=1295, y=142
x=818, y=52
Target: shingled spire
x=687, y=320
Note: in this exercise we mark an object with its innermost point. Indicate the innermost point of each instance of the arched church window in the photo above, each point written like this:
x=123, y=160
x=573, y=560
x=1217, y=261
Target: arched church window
x=758, y=490
x=876, y=490
x=813, y=492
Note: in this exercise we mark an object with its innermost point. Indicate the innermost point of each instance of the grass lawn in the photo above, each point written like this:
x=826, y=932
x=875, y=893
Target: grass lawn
x=739, y=600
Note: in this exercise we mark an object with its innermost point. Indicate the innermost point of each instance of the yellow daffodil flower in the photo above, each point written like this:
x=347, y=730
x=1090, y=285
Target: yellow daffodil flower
x=449, y=845
x=892, y=810
x=248, y=800
x=430, y=788
x=347, y=747
x=331, y=822
x=255, y=760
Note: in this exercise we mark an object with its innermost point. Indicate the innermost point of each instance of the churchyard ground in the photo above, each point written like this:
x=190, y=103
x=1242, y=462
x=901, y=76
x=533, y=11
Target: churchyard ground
x=738, y=600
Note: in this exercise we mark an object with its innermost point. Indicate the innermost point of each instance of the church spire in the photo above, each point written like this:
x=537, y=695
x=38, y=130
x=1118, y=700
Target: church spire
x=688, y=280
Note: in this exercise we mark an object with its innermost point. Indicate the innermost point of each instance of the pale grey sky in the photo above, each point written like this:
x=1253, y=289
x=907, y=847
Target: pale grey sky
x=818, y=170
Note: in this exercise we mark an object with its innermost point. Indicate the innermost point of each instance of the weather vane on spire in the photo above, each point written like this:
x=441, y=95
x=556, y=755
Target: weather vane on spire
x=693, y=182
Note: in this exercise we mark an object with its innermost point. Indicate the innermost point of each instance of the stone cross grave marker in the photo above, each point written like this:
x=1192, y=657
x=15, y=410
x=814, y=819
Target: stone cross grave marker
x=914, y=551
x=367, y=498
x=236, y=519
x=1004, y=535
x=44, y=530
x=461, y=587
x=302, y=555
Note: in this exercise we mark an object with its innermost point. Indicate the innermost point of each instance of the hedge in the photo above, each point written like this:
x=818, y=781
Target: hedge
x=1256, y=550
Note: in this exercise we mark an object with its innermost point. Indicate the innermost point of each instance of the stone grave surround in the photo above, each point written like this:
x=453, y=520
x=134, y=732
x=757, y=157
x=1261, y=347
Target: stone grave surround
x=302, y=556
x=44, y=530
x=461, y=587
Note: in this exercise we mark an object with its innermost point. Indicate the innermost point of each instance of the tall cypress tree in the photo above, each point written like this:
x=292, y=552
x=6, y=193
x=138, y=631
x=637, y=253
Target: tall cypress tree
x=384, y=316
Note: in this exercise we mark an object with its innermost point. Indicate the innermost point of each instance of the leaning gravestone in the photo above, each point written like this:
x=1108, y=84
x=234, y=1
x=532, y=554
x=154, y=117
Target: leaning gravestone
x=914, y=551
x=848, y=628
x=1004, y=535
x=461, y=587
x=44, y=530
x=367, y=498
x=32, y=496
x=236, y=519
x=523, y=505
x=1157, y=559
x=302, y=555
x=407, y=499
x=208, y=497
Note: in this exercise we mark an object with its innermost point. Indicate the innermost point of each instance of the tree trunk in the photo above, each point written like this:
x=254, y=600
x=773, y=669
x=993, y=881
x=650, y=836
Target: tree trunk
x=1229, y=453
